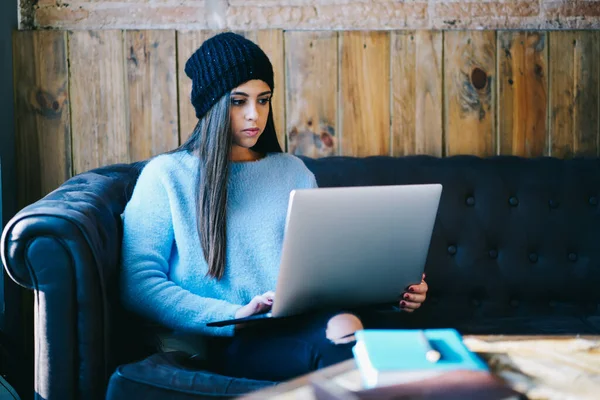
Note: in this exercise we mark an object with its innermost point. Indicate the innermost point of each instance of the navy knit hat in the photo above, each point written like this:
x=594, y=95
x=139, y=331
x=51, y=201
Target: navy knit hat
x=221, y=64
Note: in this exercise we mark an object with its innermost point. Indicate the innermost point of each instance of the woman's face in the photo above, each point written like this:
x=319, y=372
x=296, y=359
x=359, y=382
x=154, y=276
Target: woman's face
x=250, y=103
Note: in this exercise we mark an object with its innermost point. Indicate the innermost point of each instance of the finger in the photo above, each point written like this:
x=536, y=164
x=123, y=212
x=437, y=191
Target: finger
x=266, y=300
x=260, y=301
x=269, y=295
x=260, y=307
x=415, y=298
x=419, y=289
x=403, y=306
x=409, y=305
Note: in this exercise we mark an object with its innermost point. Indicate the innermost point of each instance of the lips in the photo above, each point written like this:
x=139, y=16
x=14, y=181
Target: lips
x=251, y=131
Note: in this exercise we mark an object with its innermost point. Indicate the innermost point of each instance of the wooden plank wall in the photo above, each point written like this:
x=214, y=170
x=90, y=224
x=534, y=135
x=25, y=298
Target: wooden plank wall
x=90, y=98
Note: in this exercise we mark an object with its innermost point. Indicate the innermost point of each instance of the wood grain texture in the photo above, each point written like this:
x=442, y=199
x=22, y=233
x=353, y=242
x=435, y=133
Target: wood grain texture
x=312, y=91
x=187, y=43
x=152, y=92
x=271, y=41
x=574, y=69
x=43, y=126
x=365, y=93
x=469, y=92
x=98, y=100
x=417, y=115
x=522, y=93
x=115, y=103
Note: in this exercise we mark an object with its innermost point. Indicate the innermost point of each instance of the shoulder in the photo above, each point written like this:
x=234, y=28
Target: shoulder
x=166, y=173
x=162, y=179
x=294, y=169
x=169, y=166
x=290, y=163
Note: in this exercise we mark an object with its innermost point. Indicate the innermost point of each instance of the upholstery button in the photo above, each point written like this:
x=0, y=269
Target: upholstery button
x=533, y=257
x=593, y=201
x=452, y=250
x=513, y=201
x=470, y=201
x=514, y=303
x=572, y=257
x=493, y=253
x=553, y=204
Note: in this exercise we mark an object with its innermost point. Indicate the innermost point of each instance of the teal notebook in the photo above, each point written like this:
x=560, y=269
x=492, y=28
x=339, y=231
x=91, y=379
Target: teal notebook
x=394, y=356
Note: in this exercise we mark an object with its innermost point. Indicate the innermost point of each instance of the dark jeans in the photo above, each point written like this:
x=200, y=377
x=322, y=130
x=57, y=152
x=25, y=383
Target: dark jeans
x=281, y=349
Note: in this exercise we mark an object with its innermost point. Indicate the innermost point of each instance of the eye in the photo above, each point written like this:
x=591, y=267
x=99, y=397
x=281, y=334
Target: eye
x=264, y=101
x=238, y=102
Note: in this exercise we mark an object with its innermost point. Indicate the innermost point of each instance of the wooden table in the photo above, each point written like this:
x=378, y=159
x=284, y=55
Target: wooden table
x=541, y=367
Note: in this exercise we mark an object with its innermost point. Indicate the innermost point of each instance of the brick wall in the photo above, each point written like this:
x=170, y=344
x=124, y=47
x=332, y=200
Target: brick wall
x=309, y=14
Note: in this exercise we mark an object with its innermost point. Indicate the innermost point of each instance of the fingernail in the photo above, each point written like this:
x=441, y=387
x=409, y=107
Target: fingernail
x=402, y=304
x=424, y=276
x=411, y=289
x=406, y=296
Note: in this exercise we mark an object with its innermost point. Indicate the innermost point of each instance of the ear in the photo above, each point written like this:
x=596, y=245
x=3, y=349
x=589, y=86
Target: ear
x=327, y=139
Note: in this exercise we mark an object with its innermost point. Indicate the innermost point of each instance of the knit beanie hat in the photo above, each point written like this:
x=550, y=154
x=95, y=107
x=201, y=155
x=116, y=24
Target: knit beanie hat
x=221, y=64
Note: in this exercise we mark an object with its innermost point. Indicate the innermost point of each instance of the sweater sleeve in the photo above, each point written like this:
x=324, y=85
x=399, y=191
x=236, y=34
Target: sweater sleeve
x=148, y=241
x=309, y=181
x=312, y=181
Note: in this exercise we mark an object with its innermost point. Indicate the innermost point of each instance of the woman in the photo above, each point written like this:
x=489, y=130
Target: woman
x=203, y=230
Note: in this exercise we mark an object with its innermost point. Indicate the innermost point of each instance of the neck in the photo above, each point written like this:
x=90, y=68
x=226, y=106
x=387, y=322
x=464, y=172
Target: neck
x=241, y=154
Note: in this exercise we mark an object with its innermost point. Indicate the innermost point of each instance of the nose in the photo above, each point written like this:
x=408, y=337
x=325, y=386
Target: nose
x=251, y=112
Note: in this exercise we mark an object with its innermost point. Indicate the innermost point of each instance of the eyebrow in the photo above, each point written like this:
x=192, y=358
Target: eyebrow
x=247, y=95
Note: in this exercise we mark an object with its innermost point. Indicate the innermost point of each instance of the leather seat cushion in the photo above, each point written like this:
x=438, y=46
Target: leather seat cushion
x=170, y=375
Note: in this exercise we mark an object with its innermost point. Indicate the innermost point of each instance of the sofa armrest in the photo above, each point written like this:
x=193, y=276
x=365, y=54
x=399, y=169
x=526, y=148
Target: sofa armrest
x=66, y=248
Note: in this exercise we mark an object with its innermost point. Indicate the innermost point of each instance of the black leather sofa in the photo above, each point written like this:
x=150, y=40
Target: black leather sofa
x=515, y=250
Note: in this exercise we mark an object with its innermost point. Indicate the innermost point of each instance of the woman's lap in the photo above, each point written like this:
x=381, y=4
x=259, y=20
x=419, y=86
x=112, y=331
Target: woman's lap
x=279, y=350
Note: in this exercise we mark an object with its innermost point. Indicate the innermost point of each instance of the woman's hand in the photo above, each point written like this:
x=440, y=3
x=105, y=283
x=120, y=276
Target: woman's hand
x=259, y=304
x=414, y=296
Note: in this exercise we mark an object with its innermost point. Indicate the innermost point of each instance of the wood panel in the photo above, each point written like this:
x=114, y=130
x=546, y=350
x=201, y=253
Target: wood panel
x=43, y=126
x=271, y=41
x=574, y=88
x=522, y=93
x=312, y=91
x=469, y=92
x=416, y=68
x=98, y=102
x=152, y=92
x=128, y=96
x=364, y=102
x=187, y=43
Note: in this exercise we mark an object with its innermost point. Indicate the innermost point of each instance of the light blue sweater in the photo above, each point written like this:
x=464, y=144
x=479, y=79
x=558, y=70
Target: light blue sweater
x=164, y=270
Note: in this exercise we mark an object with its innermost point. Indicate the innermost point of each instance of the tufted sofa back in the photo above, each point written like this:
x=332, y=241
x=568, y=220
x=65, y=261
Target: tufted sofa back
x=514, y=237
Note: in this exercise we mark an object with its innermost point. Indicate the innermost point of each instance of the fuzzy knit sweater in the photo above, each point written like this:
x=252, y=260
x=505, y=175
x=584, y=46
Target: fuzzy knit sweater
x=163, y=266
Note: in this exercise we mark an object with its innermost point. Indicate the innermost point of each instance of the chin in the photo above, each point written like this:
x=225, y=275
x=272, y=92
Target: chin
x=250, y=142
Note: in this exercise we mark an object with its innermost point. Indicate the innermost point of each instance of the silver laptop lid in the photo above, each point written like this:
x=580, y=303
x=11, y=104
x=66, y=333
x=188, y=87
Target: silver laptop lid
x=352, y=246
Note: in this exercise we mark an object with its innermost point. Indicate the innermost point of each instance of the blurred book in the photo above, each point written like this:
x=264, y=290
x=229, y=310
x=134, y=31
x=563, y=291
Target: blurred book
x=451, y=385
x=390, y=357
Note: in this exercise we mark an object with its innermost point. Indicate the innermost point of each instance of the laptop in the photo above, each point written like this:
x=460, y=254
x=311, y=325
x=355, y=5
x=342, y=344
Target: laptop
x=350, y=247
